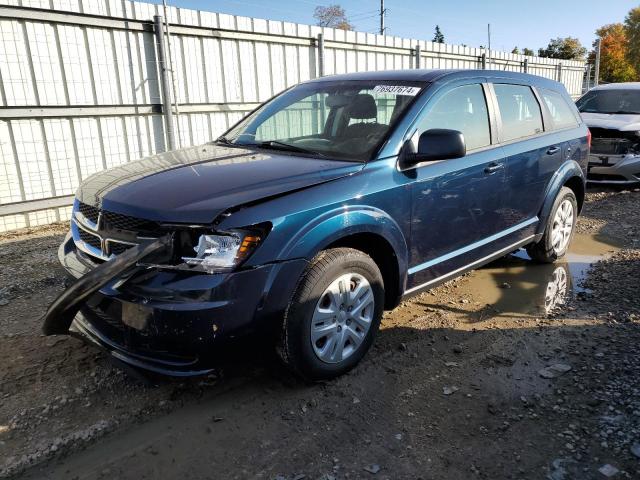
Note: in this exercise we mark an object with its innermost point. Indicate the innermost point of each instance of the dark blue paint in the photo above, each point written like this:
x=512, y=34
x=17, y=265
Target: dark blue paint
x=439, y=219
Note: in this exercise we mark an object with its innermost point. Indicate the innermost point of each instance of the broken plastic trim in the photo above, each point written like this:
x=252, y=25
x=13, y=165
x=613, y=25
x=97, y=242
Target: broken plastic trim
x=63, y=310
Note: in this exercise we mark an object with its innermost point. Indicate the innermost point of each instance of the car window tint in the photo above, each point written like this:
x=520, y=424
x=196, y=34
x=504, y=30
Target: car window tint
x=520, y=112
x=561, y=113
x=463, y=109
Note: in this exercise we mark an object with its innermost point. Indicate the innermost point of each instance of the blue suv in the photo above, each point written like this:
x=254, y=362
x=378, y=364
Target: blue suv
x=325, y=206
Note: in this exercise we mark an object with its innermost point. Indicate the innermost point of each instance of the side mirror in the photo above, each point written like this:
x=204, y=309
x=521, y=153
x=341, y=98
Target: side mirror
x=437, y=144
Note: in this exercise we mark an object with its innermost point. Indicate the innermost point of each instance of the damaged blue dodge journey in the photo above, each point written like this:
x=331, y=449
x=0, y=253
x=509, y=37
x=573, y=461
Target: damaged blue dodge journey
x=325, y=206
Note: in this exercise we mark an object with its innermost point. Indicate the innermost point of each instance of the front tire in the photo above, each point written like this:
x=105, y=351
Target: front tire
x=559, y=230
x=334, y=315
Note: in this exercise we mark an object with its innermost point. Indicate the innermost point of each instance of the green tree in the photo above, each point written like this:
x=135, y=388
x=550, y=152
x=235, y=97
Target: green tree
x=332, y=16
x=567, y=48
x=438, y=37
x=516, y=50
x=632, y=30
x=614, y=54
x=529, y=52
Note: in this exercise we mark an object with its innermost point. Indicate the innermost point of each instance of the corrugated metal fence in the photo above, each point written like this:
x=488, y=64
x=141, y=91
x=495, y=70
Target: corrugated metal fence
x=80, y=90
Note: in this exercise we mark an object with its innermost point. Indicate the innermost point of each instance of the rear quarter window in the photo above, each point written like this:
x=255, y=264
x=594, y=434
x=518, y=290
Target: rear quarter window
x=519, y=110
x=562, y=114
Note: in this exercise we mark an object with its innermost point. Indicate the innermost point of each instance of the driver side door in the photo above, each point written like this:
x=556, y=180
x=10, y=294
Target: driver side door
x=457, y=204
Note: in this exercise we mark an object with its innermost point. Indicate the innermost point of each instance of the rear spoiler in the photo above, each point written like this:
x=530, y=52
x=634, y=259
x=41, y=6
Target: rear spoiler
x=63, y=310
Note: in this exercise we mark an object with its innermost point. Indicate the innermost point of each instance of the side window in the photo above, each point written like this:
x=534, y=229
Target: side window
x=519, y=109
x=464, y=109
x=561, y=113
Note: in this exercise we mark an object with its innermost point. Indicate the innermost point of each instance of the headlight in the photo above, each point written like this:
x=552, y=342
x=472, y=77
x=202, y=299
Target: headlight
x=219, y=252
x=202, y=250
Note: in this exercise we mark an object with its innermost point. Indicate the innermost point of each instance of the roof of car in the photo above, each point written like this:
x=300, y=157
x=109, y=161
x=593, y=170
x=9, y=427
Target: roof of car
x=619, y=86
x=419, y=75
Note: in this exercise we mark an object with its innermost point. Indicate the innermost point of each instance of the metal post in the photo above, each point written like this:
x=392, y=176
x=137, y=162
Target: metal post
x=164, y=83
x=525, y=65
x=483, y=59
x=596, y=79
x=382, y=12
x=559, y=69
x=173, y=73
x=320, y=55
x=417, y=55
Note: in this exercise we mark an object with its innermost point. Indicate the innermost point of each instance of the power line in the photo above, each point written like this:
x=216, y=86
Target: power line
x=357, y=16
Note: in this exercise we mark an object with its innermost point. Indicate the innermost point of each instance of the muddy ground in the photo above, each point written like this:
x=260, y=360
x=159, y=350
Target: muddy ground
x=514, y=371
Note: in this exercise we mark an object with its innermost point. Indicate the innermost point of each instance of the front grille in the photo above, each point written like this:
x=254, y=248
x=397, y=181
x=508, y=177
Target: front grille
x=90, y=212
x=115, y=232
x=602, y=177
x=125, y=222
x=116, y=248
x=89, y=238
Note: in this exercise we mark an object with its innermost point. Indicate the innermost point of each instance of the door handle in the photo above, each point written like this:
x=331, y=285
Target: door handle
x=553, y=150
x=493, y=167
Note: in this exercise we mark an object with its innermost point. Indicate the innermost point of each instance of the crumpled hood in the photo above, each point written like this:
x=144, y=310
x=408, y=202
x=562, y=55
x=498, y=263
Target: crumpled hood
x=622, y=122
x=195, y=185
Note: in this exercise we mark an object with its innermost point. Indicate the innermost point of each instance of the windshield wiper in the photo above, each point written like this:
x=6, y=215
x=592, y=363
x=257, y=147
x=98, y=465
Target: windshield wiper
x=224, y=141
x=275, y=144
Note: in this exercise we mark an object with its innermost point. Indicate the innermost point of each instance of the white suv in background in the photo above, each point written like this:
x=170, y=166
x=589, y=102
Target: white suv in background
x=612, y=113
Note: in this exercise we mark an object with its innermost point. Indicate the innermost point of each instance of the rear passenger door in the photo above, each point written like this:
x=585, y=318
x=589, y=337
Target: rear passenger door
x=532, y=156
x=563, y=119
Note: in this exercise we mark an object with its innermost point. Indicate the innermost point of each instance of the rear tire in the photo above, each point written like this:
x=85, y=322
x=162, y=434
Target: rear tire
x=334, y=315
x=559, y=230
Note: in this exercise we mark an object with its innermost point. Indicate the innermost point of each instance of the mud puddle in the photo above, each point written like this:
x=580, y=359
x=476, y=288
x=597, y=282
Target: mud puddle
x=515, y=286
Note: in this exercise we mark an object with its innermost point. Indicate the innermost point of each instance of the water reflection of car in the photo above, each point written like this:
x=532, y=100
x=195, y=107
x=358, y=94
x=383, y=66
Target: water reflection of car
x=612, y=113
x=520, y=288
x=558, y=288
x=328, y=204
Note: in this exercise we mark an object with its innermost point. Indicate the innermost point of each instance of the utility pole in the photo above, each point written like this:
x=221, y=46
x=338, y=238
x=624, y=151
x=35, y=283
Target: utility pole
x=383, y=11
x=489, y=44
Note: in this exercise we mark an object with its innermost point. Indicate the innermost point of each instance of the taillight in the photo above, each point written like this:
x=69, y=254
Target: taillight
x=588, y=138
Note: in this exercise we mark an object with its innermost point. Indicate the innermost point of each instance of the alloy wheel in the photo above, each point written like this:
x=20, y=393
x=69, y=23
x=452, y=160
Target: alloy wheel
x=562, y=226
x=342, y=318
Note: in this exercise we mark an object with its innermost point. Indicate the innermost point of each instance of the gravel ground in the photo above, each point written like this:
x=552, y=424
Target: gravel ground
x=466, y=381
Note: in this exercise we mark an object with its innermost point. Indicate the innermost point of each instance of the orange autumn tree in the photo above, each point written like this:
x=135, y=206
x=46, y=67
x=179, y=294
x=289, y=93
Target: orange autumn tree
x=614, y=62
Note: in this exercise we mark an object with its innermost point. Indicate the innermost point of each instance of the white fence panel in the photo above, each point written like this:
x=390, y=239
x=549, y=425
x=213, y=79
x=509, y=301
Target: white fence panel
x=80, y=90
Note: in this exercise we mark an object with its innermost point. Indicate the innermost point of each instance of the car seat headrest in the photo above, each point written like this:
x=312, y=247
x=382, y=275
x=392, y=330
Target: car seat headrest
x=363, y=107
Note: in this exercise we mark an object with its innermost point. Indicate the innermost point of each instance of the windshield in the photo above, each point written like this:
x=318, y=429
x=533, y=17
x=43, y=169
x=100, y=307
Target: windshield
x=346, y=120
x=610, y=101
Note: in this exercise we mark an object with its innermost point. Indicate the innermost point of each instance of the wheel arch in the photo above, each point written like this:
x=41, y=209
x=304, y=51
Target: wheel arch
x=569, y=175
x=382, y=253
x=576, y=184
x=364, y=228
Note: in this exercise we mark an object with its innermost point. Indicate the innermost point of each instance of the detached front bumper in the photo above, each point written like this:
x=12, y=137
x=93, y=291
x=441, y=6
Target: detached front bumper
x=172, y=322
x=619, y=169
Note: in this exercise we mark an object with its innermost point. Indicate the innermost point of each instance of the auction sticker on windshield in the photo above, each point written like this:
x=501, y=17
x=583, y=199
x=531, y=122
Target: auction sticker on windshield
x=397, y=89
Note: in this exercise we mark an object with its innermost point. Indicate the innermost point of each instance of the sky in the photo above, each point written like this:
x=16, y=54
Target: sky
x=522, y=23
